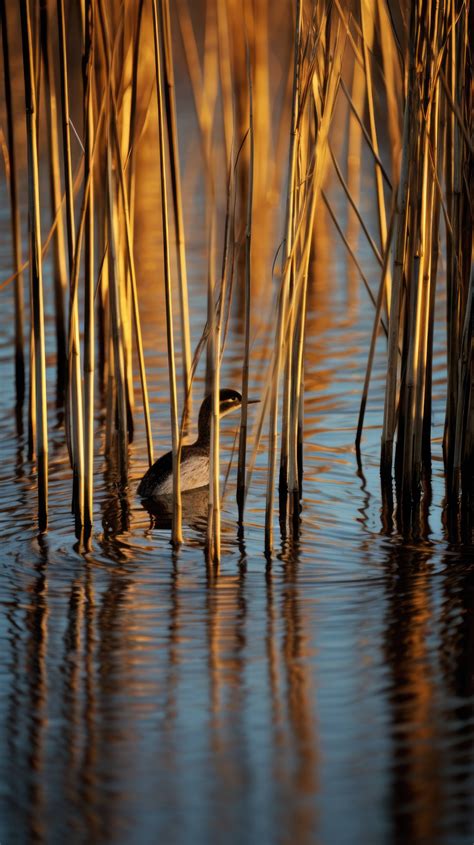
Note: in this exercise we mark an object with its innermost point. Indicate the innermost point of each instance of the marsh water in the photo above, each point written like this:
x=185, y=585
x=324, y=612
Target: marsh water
x=325, y=695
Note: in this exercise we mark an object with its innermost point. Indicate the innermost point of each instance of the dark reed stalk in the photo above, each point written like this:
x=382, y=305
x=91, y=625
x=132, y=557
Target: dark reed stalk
x=241, y=471
x=350, y=251
x=279, y=340
x=116, y=325
x=459, y=438
x=89, y=274
x=157, y=40
x=356, y=213
x=375, y=330
x=389, y=423
x=15, y=218
x=36, y=275
x=60, y=272
x=214, y=371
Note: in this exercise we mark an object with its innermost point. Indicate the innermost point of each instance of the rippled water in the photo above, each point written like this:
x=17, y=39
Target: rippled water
x=324, y=696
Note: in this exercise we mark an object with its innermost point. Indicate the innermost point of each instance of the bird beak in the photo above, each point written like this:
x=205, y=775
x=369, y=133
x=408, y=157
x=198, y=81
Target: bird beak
x=252, y=401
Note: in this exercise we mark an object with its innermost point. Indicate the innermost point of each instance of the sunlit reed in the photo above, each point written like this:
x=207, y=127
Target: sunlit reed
x=74, y=402
x=15, y=217
x=356, y=71
x=60, y=271
x=241, y=469
x=176, y=531
x=36, y=272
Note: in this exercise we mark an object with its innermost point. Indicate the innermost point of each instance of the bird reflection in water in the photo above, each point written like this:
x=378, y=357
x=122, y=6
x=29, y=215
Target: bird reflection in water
x=194, y=506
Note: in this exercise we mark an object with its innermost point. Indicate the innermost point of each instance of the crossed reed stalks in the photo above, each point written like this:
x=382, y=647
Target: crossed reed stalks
x=346, y=59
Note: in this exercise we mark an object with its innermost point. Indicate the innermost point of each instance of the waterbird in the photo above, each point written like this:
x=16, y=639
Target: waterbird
x=158, y=480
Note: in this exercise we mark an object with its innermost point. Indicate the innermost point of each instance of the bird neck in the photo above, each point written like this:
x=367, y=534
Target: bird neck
x=204, y=433
x=204, y=424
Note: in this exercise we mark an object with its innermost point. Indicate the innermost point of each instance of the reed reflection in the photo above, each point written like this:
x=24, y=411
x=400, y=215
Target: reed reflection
x=456, y=655
x=289, y=654
x=226, y=618
x=302, y=732
x=418, y=799
x=28, y=702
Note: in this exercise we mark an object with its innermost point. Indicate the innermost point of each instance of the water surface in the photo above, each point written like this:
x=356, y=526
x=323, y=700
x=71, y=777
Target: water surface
x=325, y=695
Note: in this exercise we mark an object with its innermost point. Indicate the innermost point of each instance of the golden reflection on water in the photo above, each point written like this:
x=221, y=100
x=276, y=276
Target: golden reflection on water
x=97, y=668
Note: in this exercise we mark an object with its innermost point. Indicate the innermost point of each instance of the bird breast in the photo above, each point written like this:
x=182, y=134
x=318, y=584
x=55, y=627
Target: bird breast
x=194, y=474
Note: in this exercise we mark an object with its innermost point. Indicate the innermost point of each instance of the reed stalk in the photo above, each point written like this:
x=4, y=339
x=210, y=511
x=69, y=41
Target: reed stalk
x=324, y=94
x=134, y=287
x=15, y=217
x=157, y=40
x=377, y=160
x=401, y=225
x=375, y=330
x=393, y=81
x=36, y=274
x=367, y=25
x=282, y=304
x=116, y=326
x=60, y=272
x=116, y=80
x=214, y=360
x=241, y=471
x=74, y=409
x=89, y=275
x=172, y=133
x=459, y=437
x=353, y=205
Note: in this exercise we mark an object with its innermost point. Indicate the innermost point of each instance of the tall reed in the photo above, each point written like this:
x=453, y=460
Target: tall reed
x=170, y=107
x=15, y=216
x=36, y=273
x=74, y=406
x=241, y=471
x=89, y=275
x=60, y=272
x=157, y=40
x=282, y=301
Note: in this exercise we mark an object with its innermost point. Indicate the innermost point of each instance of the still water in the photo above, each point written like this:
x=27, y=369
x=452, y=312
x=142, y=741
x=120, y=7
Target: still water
x=323, y=696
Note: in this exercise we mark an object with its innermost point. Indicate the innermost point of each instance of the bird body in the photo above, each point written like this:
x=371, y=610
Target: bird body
x=194, y=465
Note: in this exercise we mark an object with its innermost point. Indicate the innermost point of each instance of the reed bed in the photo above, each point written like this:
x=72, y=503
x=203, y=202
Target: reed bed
x=390, y=79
